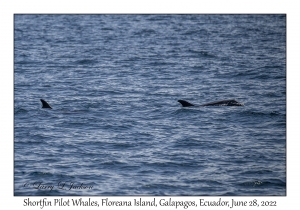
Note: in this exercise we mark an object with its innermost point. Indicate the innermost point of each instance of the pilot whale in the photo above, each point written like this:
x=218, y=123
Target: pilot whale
x=45, y=104
x=230, y=102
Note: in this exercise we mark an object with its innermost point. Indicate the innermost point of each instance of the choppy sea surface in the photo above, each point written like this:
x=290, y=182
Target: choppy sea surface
x=116, y=127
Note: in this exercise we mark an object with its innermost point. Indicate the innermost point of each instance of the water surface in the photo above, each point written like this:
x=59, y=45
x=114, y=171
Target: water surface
x=113, y=82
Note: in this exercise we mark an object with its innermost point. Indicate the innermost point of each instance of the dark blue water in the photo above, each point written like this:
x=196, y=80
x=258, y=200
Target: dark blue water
x=116, y=127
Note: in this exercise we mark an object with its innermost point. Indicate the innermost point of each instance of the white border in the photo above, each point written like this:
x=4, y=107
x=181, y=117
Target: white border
x=9, y=8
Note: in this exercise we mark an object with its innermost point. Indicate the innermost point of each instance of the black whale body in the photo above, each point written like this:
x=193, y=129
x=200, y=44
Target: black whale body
x=230, y=102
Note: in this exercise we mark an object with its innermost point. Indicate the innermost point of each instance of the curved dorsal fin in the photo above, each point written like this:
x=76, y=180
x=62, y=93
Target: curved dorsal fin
x=185, y=103
x=45, y=104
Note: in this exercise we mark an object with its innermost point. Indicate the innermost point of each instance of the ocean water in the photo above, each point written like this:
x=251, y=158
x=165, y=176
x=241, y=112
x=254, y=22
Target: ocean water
x=116, y=127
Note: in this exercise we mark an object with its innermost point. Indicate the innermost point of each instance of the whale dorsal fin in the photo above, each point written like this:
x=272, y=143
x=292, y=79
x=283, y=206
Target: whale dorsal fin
x=185, y=103
x=45, y=104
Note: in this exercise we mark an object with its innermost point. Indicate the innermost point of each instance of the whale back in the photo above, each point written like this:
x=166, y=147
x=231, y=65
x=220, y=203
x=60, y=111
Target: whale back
x=230, y=102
